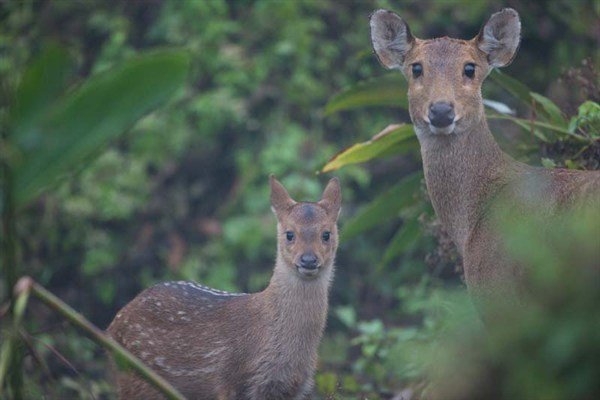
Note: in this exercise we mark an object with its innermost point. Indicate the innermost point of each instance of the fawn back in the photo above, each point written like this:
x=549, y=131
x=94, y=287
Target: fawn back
x=465, y=170
x=212, y=344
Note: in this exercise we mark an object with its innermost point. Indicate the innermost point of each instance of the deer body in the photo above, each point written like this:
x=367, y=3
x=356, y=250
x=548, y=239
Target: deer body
x=466, y=172
x=216, y=345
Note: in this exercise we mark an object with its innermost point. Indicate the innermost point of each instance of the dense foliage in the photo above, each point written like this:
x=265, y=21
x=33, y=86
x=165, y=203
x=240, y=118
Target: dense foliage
x=277, y=87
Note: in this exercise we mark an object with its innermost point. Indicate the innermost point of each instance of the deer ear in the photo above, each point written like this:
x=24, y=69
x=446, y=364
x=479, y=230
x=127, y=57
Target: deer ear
x=500, y=36
x=280, y=199
x=332, y=197
x=391, y=38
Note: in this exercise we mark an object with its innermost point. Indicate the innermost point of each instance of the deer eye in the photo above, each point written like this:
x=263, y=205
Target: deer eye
x=326, y=236
x=470, y=70
x=289, y=235
x=417, y=70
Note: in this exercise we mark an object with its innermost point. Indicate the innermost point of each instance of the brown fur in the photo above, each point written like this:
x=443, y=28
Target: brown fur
x=465, y=169
x=214, y=345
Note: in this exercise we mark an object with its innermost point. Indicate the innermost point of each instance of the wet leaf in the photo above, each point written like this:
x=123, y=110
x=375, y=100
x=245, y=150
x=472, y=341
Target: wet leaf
x=387, y=90
x=394, y=139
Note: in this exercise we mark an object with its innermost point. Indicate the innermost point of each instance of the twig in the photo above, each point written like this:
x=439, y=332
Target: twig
x=27, y=284
x=27, y=339
x=10, y=349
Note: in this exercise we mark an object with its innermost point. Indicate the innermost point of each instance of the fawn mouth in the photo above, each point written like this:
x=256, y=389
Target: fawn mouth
x=308, y=272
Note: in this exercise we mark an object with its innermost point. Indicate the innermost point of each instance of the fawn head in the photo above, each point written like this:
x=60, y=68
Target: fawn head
x=307, y=235
x=445, y=75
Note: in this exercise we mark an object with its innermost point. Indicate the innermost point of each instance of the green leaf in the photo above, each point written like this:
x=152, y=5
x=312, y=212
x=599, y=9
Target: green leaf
x=387, y=90
x=549, y=128
x=548, y=163
x=394, y=139
x=43, y=81
x=552, y=111
x=588, y=119
x=405, y=237
x=100, y=110
x=327, y=382
x=513, y=86
x=385, y=207
x=347, y=315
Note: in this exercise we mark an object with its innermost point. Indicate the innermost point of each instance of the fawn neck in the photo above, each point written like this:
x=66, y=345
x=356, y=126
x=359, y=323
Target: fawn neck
x=461, y=171
x=299, y=304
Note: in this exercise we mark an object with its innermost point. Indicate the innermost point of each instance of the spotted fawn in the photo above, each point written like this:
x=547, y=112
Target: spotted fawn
x=211, y=344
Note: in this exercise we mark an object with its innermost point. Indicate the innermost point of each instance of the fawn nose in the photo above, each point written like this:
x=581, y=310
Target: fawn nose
x=441, y=114
x=308, y=261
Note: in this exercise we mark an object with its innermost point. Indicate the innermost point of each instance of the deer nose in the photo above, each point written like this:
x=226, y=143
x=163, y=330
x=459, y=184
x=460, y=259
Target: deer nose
x=441, y=114
x=308, y=261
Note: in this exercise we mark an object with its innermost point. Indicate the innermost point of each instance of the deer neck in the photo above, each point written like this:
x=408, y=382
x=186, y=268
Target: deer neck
x=461, y=171
x=298, y=310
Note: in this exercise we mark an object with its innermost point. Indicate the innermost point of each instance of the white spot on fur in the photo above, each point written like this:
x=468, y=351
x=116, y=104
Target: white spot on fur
x=206, y=289
x=214, y=352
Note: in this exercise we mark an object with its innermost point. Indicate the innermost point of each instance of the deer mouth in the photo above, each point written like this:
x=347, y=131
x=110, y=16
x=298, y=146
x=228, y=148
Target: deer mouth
x=308, y=272
x=442, y=130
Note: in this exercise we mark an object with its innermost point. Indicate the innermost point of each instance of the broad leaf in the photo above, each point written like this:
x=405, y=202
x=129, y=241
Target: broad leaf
x=405, y=237
x=387, y=90
x=513, y=86
x=552, y=111
x=101, y=109
x=385, y=207
x=42, y=83
x=393, y=139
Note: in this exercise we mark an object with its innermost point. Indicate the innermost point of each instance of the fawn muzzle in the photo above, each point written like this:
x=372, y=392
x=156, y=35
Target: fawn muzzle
x=308, y=264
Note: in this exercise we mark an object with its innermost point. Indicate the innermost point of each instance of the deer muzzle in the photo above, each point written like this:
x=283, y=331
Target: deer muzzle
x=441, y=114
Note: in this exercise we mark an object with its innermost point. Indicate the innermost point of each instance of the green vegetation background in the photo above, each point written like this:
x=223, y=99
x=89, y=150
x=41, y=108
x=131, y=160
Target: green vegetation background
x=185, y=194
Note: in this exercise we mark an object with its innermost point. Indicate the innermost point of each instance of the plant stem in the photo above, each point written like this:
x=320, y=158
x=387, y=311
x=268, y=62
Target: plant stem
x=131, y=361
x=8, y=250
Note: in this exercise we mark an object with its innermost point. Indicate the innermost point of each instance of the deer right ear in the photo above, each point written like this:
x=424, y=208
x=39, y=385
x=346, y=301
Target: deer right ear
x=391, y=38
x=500, y=36
x=280, y=199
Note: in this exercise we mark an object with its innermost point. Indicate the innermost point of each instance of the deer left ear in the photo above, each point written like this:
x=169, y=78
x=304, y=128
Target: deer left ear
x=500, y=36
x=332, y=198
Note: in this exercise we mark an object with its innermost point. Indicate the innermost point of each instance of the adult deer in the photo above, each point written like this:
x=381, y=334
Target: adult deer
x=465, y=169
x=212, y=344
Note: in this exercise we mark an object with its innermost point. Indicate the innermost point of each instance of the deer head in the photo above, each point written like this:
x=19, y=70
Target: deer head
x=445, y=75
x=307, y=235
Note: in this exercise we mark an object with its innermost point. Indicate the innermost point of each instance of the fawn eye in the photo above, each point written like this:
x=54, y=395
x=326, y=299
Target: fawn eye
x=417, y=70
x=289, y=235
x=470, y=70
x=326, y=236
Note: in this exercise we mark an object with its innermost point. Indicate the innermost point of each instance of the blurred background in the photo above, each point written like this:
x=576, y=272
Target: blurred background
x=184, y=193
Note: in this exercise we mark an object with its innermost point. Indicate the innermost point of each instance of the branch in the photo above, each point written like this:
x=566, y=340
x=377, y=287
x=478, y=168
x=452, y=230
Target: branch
x=26, y=284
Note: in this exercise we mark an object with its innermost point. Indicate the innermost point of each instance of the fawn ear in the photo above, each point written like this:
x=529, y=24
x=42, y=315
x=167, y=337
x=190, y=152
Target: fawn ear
x=332, y=198
x=280, y=199
x=391, y=38
x=500, y=36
